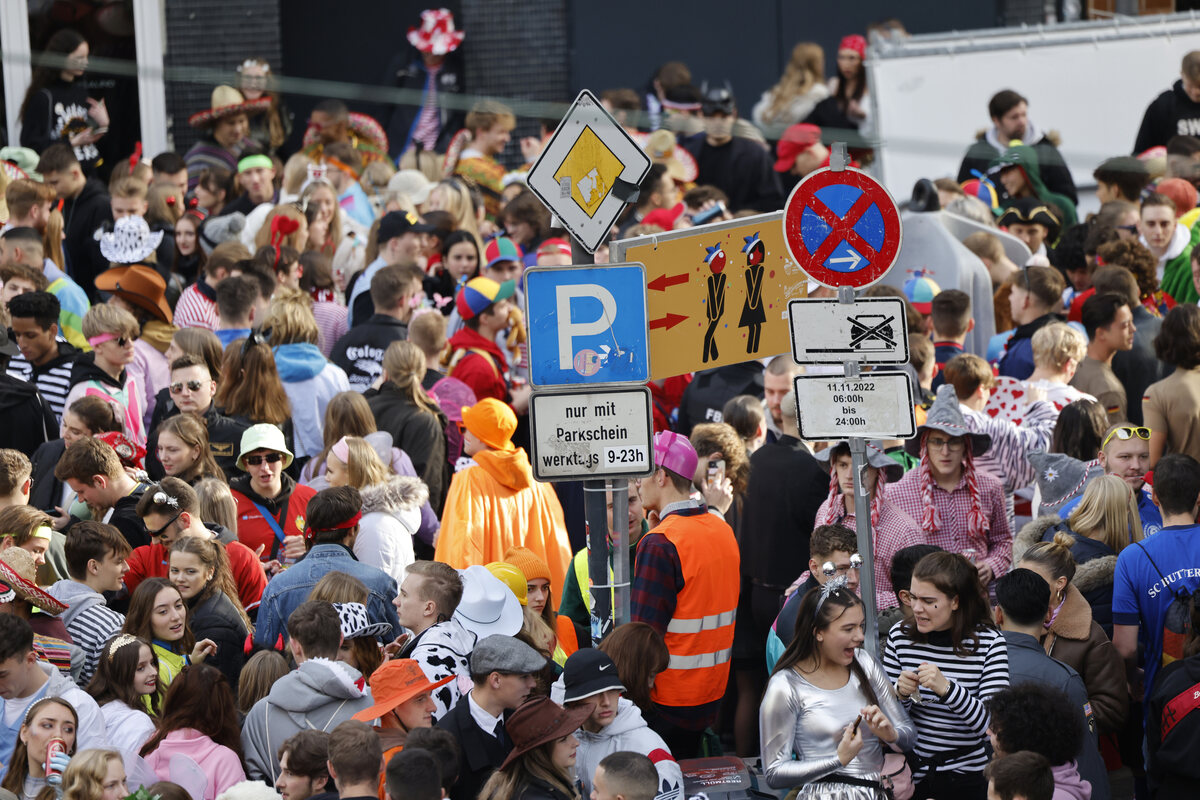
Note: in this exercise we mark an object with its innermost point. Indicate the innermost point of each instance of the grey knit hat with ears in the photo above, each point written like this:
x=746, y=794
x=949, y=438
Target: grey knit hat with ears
x=946, y=416
x=218, y=230
x=1061, y=478
x=876, y=458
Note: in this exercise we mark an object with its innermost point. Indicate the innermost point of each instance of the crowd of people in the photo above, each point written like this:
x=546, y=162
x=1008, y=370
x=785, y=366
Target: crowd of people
x=268, y=524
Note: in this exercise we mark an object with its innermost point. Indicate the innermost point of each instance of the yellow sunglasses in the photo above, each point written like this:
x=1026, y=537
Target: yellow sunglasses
x=1125, y=434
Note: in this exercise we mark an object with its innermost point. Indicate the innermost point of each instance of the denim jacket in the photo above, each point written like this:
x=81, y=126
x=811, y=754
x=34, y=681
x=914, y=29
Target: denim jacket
x=287, y=590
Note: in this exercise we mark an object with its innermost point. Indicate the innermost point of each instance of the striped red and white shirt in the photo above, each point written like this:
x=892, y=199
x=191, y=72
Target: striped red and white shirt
x=194, y=310
x=954, y=508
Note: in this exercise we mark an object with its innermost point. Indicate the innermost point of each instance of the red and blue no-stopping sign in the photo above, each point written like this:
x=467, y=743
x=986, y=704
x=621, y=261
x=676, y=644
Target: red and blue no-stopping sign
x=842, y=228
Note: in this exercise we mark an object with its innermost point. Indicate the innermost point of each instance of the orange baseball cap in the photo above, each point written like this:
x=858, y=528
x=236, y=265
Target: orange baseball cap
x=492, y=422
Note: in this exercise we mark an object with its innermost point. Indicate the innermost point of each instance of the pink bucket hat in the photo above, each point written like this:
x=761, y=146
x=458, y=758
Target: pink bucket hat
x=673, y=451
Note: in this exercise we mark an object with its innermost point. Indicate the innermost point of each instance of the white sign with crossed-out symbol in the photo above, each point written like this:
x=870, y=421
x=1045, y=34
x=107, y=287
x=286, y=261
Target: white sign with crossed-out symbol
x=871, y=330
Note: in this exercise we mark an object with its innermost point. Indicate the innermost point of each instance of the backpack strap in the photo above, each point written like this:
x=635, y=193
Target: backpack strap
x=462, y=353
x=1166, y=585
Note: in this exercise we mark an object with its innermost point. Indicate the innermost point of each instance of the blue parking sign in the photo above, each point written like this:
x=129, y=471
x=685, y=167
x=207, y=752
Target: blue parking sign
x=587, y=325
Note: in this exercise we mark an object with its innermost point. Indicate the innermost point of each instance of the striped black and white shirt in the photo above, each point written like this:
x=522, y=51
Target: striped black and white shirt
x=52, y=379
x=960, y=719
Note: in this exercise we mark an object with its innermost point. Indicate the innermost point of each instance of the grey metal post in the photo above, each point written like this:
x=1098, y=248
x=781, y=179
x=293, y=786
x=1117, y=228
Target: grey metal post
x=622, y=608
x=862, y=512
x=596, y=514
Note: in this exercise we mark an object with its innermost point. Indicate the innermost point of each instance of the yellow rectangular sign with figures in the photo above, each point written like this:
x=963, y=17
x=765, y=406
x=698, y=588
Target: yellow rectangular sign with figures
x=716, y=294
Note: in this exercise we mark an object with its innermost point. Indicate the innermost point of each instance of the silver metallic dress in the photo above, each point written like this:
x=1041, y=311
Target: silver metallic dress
x=800, y=726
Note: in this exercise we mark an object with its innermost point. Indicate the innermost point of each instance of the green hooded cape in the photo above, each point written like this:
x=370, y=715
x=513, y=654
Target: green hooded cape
x=1025, y=157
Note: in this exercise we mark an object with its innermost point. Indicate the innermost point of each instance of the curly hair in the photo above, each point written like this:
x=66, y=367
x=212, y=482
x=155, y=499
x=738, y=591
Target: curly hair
x=1136, y=258
x=1178, y=342
x=290, y=318
x=1036, y=718
x=711, y=438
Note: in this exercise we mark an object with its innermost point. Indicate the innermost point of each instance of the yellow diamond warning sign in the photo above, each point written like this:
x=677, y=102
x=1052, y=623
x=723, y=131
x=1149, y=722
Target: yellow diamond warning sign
x=588, y=172
x=589, y=169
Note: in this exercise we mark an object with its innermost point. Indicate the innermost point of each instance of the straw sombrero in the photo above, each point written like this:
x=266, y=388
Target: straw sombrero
x=227, y=101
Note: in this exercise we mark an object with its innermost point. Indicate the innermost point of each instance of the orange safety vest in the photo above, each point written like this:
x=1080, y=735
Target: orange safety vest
x=700, y=634
x=564, y=630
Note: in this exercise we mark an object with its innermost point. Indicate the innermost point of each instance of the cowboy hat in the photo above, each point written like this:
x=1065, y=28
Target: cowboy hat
x=139, y=285
x=394, y=683
x=226, y=102
x=540, y=720
x=130, y=241
x=487, y=605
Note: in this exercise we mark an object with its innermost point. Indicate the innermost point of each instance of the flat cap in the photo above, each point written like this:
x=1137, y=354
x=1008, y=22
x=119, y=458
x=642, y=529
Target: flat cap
x=504, y=654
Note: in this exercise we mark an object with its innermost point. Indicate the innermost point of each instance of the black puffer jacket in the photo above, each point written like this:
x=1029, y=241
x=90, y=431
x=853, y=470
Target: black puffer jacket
x=217, y=618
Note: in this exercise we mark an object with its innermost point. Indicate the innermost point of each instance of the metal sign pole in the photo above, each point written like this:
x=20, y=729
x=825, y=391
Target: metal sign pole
x=866, y=548
x=595, y=512
x=862, y=512
x=622, y=608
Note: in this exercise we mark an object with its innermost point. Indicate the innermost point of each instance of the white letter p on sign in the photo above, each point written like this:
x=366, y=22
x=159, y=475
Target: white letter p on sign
x=568, y=329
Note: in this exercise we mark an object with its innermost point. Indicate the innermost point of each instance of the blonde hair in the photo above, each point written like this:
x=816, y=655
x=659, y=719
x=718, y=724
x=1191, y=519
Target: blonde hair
x=263, y=237
x=52, y=238
x=1057, y=343
x=427, y=330
x=1108, y=513
x=404, y=364
x=364, y=467
x=539, y=632
x=1055, y=555
x=487, y=113
x=105, y=318
x=165, y=204
x=335, y=224
x=984, y=245
x=455, y=198
x=805, y=69
x=84, y=776
x=295, y=172
x=424, y=161
x=128, y=189
x=216, y=503
x=290, y=318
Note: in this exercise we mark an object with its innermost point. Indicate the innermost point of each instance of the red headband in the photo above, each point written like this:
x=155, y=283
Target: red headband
x=310, y=531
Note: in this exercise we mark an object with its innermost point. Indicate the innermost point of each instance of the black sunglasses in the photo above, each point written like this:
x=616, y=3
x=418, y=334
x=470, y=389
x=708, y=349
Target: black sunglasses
x=161, y=531
x=192, y=386
x=270, y=458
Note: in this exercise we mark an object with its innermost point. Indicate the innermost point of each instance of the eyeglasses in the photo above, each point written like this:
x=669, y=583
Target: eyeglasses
x=949, y=445
x=163, y=530
x=192, y=386
x=1126, y=433
x=270, y=458
x=1128, y=228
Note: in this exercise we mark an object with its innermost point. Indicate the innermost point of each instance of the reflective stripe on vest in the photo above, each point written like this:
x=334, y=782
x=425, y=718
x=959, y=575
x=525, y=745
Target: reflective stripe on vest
x=700, y=635
x=711, y=622
x=702, y=661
